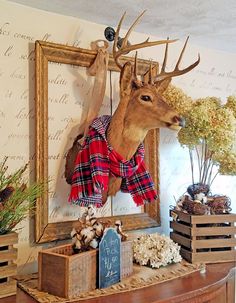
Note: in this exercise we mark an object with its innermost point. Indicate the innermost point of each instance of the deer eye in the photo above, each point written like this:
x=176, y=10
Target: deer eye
x=145, y=98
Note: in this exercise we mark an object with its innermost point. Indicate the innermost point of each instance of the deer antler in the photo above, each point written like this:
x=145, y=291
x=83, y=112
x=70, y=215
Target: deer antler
x=176, y=72
x=126, y=47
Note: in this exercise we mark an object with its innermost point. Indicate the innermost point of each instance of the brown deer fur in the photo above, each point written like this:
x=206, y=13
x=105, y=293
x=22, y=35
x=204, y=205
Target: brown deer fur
x=134, y=117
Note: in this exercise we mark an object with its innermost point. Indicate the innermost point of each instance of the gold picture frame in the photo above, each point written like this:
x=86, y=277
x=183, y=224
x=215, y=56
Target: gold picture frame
x=51, y=52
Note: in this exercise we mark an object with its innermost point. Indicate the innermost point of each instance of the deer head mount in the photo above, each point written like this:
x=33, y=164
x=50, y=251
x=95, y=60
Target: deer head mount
x=141, y=108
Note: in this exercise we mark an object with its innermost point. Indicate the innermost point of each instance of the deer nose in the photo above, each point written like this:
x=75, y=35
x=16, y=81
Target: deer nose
x=179, y=120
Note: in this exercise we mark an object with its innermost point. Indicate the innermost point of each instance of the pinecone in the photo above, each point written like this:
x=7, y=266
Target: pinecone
x=6, y=193
x=195, y=208
x=219, y=205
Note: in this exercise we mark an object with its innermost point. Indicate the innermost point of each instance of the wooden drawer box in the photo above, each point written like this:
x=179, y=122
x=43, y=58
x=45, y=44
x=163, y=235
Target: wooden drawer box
x=8, y=268
x=66, y=275
x=206, y=239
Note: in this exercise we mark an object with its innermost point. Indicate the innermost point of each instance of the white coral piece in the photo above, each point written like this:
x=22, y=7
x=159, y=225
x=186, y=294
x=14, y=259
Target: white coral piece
x=155, y=250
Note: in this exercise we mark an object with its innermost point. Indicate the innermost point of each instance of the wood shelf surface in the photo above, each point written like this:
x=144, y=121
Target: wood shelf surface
x=216, y=285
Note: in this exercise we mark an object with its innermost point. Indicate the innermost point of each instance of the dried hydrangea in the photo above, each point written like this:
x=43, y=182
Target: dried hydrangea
x=187, y=137
x=227, y=163
x=155, y=250
x=198, y=122
x=209, y=103
x=177, y=99
x=200, y=117
x=210, y=129
x=231, y=104
x=223, y=130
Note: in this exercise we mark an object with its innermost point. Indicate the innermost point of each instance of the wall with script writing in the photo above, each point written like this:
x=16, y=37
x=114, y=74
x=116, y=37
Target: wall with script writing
x=20, y=26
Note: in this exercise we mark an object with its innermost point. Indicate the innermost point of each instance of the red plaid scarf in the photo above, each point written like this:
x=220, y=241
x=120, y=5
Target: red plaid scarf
x=98, y=159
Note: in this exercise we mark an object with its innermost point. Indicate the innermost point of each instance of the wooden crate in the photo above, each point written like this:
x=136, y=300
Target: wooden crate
x=66, y=275
x=8, y=268
x=207, y=238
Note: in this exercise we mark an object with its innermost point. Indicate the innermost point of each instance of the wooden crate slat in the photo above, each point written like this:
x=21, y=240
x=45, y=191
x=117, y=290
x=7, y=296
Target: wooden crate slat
x=186, y=254
x=47, y=280
x=180, y=239
x=8, y=255
x=213, y=231
x=8, y=239
x=7, y=288
x=213, y=219
x=62, y=249
x=7, y=271
x=214, y=256
x=203, y=219
x=181, y=228
x=181, y=216
x=213, y=243
x=211, y=256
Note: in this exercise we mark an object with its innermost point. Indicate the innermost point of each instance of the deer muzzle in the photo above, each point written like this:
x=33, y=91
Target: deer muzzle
x=181, y=121
x=178, y=122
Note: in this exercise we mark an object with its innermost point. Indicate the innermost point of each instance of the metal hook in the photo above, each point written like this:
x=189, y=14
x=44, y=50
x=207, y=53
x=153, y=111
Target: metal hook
x=110, y=33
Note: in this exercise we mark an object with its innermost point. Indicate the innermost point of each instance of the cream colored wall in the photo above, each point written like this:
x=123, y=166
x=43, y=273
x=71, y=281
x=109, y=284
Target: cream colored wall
x=19, y=27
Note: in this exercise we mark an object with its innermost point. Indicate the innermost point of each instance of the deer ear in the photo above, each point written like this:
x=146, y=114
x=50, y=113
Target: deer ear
x=162, y=85
x=126, y=77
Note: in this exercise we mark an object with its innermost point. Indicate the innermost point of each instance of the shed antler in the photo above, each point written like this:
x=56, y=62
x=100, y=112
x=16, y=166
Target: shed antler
x=163, y=75
x=126, y=47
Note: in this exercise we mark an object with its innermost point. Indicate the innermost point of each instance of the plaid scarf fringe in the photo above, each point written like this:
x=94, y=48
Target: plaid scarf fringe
x=97, y=160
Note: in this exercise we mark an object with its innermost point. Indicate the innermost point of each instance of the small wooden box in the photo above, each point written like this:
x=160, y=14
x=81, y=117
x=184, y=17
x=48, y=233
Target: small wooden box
x=8, y=268
x=66, y=275
x=205, y=239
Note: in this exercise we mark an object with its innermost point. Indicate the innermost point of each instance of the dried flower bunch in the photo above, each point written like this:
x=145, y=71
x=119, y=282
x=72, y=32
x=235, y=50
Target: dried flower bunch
x=155, y=250
x=210, y=133
x=91, y=230
x=17, y=198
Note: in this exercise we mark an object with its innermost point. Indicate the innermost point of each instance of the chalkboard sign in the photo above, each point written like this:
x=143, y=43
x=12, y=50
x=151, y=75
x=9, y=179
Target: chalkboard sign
x=109, y=258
